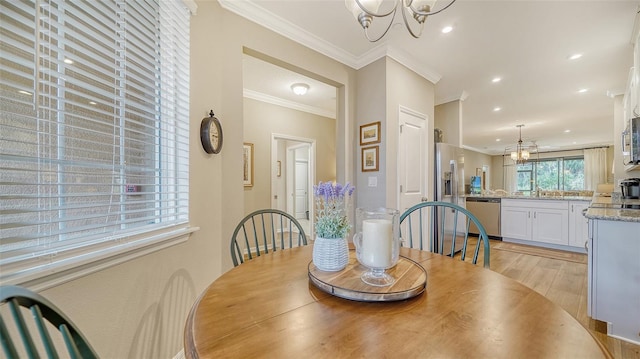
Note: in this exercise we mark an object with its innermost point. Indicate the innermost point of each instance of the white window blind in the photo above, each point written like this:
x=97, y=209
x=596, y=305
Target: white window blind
x=94, y=108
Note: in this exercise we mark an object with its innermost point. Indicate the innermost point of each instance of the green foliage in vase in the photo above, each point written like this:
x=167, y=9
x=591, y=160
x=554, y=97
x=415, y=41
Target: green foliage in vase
x=331, y=204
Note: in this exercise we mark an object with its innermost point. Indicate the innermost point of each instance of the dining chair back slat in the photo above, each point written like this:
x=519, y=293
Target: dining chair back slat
x=44, y=315
x=431, y=224
x=272, y=230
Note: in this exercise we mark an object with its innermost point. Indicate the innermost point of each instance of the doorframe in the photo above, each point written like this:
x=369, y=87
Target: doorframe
x=292, y=170
x=312, y=170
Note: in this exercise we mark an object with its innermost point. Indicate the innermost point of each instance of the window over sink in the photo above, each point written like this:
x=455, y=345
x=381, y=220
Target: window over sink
x=551, y=174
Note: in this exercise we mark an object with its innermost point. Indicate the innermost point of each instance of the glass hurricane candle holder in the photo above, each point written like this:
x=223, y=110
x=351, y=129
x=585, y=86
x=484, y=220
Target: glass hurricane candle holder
x=377, y=242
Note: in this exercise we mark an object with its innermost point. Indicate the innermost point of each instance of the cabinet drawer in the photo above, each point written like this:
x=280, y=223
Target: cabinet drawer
x=535, y=203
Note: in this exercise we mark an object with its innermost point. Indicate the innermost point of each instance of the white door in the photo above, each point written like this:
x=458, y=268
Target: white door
x=301, y=189
x=412, y=164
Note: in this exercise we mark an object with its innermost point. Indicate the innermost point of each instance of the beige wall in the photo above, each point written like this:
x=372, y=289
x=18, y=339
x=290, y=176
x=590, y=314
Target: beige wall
x=474, y=160
x=406, y=89
x=448, y=118
x=383, y=87
x=262, y=120
x=371, y=107
x=137, y=309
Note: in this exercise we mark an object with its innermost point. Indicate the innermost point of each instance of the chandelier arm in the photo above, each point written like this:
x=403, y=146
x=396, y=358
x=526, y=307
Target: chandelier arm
x=422, y=13
x=368, y=12
x=366, y=33
x=406, y=24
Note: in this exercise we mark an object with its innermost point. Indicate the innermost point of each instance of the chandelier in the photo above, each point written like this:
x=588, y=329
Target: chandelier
x=522, y=152
x=365, y=10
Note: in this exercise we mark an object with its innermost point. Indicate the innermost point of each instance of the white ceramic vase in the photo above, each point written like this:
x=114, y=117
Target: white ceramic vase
x=330, y=254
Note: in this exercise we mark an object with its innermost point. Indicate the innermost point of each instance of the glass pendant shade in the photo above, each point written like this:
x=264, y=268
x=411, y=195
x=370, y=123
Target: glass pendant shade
x=422, y=5
x=370, y=5
x=522, y=155
x=521, y=152
x=364, y=11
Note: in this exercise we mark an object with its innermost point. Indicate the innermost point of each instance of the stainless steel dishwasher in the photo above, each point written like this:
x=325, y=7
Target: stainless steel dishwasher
x=487, y=210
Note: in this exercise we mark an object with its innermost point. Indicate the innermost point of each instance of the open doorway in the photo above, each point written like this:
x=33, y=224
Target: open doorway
x=293, y=176
x=287, y=130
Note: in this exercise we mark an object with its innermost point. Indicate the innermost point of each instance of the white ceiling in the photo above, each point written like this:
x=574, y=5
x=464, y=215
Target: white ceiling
x=526, y=43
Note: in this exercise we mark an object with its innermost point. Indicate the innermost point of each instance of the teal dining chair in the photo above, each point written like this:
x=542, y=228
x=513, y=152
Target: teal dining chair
x=44, y=316
x=264, y=231
x=443, y=228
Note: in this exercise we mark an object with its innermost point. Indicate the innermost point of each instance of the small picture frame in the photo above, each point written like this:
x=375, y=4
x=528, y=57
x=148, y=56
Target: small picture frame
x=370, y=133
x=279, y=169
x=248, y=164
x=370, y=157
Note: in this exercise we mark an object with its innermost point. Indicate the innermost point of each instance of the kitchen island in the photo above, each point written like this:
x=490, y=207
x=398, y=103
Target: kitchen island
x=555, y=222
x=614, y=266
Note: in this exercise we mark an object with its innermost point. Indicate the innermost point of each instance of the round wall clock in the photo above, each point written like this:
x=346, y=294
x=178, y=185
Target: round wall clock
x=211, y=134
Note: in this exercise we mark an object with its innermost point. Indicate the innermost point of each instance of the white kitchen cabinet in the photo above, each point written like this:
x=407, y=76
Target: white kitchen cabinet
x=515, y=222
x=542, y=221
x=614, y=277
x=578, y=224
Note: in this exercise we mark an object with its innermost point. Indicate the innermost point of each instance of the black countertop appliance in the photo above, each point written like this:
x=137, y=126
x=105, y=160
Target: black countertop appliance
x=630, y=188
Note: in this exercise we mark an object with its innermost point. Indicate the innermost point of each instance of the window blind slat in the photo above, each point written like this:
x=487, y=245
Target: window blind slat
x=95, y=147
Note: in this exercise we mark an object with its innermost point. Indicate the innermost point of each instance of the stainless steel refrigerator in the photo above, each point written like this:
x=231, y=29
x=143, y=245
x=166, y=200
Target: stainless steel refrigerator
x=449, y=187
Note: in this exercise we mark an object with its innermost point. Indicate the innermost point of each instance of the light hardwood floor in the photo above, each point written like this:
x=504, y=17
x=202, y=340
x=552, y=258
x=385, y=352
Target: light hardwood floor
x=561, y=281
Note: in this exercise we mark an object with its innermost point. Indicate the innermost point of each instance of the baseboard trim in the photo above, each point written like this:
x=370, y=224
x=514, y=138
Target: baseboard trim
x=180, y=355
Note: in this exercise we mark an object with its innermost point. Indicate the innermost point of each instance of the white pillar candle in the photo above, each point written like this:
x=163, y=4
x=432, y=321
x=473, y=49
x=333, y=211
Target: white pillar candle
x=377, y=243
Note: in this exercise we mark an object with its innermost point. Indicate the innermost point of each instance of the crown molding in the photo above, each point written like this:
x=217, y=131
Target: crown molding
x=411, y=63
x=259, y=96
x=401, y=57
x=254, y=13
x=463, y=96
x=488, y=152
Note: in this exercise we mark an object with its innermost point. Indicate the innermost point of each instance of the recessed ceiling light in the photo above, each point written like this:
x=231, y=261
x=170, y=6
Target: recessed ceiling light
x=496, y=79
x=447, y=29
x=567, y=131
x=68, y=61
x=497, y=140
x=496, y=109
x=92, y=103
x=25, y=92
x=299, y=88
x=583, y=90
x=575, y=56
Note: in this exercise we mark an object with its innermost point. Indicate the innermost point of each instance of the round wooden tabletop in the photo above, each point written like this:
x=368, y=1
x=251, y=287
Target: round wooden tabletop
x=267, y=307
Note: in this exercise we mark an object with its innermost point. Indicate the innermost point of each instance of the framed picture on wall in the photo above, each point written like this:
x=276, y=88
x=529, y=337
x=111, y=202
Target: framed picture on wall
x=248, y=164
x=370, y=158
x=370, y=133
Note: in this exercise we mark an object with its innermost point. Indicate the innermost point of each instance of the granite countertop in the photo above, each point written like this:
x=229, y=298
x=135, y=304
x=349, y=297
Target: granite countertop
x=613, y=208
x=560, y=198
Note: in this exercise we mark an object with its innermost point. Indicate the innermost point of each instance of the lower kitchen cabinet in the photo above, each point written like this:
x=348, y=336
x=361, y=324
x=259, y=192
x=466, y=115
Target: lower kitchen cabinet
x=614, y=277
x=543, y=221
x=578, y=224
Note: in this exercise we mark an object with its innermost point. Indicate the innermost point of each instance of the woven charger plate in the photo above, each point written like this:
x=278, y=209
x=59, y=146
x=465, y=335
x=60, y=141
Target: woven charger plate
x=411, y=280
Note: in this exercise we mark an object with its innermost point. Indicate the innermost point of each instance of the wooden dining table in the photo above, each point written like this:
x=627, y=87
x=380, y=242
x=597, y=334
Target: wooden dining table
x=268, y=307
